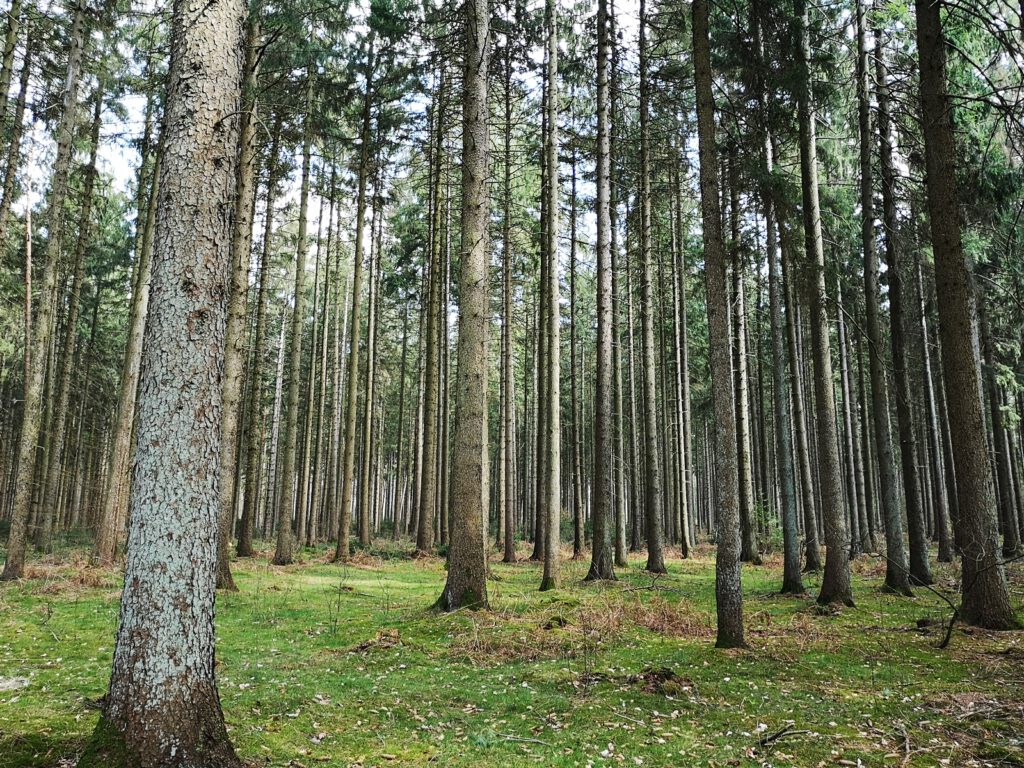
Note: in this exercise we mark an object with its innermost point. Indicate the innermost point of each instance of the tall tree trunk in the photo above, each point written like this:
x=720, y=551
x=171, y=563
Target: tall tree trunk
x=917, y=569
x=741, y=393
x=896, y=571
x=939, y=490
x=367, y=501
x=684, y=497
x=508, y=404
x=574, y=377
x=985, y=596
x=7, y=66
x=835, y=586
x=652, y=460
x=428, y=510
x=261, y=343
x=162, y=708
x=854, y=480
x=234, y=351
x=37, y=354
x=352, y=372
x=466, y=586
x=812, y=552
x=792, y=579
x=113, y=517
x=552, y=480
x=1000, y=446
x=602, y=488
x=728, y=591
x=284, y=552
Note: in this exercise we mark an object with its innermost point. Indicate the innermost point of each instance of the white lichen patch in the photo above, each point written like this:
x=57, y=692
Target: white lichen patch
x=13, y=683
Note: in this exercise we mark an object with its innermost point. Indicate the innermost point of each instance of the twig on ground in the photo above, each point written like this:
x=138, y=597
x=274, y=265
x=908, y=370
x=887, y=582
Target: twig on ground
x=786, y=732
x=522, y=740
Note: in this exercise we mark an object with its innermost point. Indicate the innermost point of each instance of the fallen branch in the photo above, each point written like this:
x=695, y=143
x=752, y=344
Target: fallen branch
x=786, y=732
x=522, y=740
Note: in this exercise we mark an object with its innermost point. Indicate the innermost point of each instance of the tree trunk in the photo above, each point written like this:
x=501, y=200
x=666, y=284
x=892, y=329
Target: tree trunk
x=14, y=148
x=508, y=404
x=261, y=350
x=652, y=458
x=234, y=351
x=466, y=586
x=891, y=518
x=7, y=67
x=985, y=596
x=835, y=586
x=284, y=552
x=552, y=480
x=352, y=382
x=162, y=708
x=741, y=393
x=728, y=591
x=792, y=580
x=432, y=367
x=603, y=478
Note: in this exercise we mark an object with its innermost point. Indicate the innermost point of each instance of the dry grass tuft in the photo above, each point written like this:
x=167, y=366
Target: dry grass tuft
x=673, y=619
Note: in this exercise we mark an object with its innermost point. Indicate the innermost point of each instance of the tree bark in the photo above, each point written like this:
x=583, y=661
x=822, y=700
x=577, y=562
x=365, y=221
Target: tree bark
x=352, y=381
x=261, y=350
x=466, y=586
x=287, y=508
x=603, y=479
x=985, y=596
x=728, y=590
x=652, y=459
x=835, y=586
x=234, y=346
x=552, y=480
x=162, y=708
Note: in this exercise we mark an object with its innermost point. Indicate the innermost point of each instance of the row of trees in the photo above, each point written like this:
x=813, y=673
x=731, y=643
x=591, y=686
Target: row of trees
x=301, y=265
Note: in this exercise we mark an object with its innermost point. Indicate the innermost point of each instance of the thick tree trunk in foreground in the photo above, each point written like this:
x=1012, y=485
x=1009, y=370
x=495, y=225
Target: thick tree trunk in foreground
x=466, y=586
x=728, y=592
x=602, y=498
x=835, y=585
x=162, y=709
x=985, y=596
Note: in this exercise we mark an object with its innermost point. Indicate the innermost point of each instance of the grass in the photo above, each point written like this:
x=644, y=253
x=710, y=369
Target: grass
x=323, y=665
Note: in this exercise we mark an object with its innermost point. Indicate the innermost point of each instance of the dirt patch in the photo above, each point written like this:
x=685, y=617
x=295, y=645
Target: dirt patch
x=387, y=638
x=663, y=681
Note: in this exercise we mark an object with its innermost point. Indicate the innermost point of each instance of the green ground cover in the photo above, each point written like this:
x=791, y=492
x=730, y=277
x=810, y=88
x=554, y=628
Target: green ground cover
x=323, y=665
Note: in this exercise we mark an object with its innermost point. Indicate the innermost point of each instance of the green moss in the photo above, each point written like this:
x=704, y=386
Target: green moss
x=106, y=748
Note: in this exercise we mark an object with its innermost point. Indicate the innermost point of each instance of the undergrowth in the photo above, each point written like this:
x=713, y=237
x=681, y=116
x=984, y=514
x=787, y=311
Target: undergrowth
x=321, y=664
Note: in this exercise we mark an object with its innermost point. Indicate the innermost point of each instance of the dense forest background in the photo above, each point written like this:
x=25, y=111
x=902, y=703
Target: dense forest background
x=637, y=278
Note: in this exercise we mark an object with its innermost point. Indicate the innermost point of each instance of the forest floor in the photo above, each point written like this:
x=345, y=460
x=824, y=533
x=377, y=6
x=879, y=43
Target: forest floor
x=323, y=665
